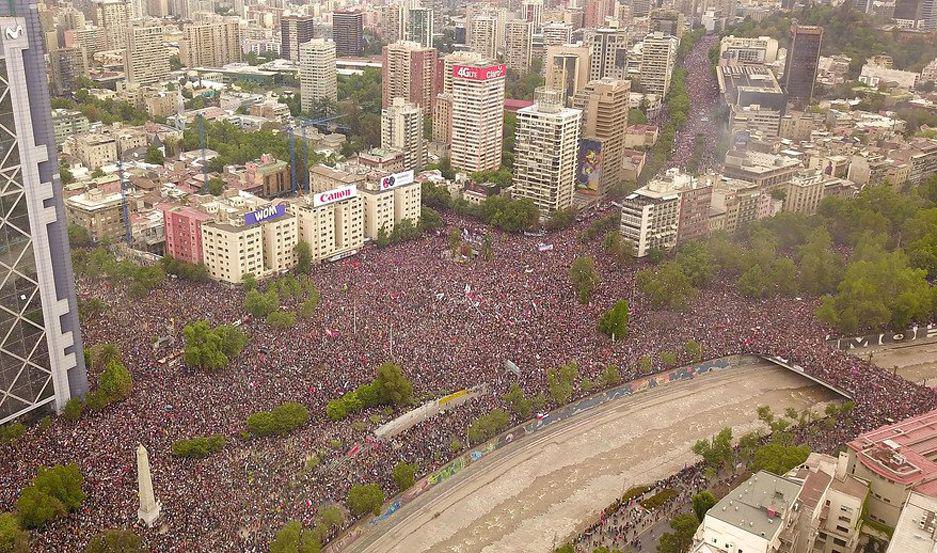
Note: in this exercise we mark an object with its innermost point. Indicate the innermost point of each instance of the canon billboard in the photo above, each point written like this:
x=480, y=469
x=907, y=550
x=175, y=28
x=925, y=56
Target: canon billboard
x=334, y=195
x=479, y=73
x=397, y=179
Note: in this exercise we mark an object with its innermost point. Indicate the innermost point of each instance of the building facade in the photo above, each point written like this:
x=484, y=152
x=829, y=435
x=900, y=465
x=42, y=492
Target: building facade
x=402, y=129
x=546, y=152
x=604, y=105
x=210, y=44
x=294, y=31
x=147, y=61
x=409, y=71
x=41, y=361
x=317, y=74
x=477, y=116
x=803, y=58
x=348, y=33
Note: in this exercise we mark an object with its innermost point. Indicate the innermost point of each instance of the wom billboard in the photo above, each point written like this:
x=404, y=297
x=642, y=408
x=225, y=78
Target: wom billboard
x=589, y=168
x=264, y=214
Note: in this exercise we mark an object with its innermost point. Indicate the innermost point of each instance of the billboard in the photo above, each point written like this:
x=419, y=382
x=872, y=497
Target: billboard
x=397, y=179
x=589, y=168
x=479, y=73
x=334, y=195
x=264, y=214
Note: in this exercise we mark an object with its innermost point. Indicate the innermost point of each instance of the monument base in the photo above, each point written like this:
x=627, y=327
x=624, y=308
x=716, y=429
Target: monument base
x=150, y=516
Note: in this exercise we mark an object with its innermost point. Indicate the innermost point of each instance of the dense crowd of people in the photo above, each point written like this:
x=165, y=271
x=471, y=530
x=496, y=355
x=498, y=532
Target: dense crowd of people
x=449, y=324
x=699, y=137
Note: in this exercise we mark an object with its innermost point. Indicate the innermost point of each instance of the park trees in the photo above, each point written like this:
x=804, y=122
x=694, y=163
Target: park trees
x=53, y=493
x=211, y=348
x=614, y=322
x=879, y=290
x=681, y=538
x=293, y=538
x=365, y=498
x=668, y=287
x=260, y=304
x=13, y=539
x=820, y=268
x=584, y=278
x=116, y=540
x=717, y=451
x=303, y=256
x=280, y=420
x=703, y=502
x=488, y=426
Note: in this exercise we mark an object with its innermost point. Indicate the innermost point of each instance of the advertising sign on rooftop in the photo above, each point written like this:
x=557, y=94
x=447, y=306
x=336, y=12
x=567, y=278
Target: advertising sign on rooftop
x=334, y=195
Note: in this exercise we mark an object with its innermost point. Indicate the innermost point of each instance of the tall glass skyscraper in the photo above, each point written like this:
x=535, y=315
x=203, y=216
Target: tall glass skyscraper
x=41, y=361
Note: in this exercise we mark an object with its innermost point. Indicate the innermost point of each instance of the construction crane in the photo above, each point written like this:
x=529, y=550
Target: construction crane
x=124, y=203
x=305, y=176
x=201, y=143
x=294, y=179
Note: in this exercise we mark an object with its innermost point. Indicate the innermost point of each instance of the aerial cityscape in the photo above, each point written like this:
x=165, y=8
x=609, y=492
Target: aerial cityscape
x=559, y=276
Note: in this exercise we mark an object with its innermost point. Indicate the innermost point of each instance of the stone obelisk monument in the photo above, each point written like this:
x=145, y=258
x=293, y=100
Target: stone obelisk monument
x=149, y=506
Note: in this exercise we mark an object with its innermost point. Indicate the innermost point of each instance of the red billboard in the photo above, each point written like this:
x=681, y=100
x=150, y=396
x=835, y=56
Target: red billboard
x=479, y=73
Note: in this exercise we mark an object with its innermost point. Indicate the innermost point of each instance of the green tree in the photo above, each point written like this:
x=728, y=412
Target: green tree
x=281, y=320
x=717, y=451
x=115, y=383
x=488, y=426
x=821, y=268
x=517, y=399
x=249, y=281
x=703, y=502
x=694, y=349
x=404, y=475
x=203, y=347
x=393, y=385
x=696, y=262
x=293, y=538
x=614, y=322
x=303, y=256
x=879, y=290
x=78, y=236
x=668, y=287
x=681, y=539
x=611, y=376
x=365, y=498
x=584, y=277
x=198, y=447
x=116, y=540
x=260, y=304
x=53, y=493
x=154, y=155
x=13, y=539
x=11, y=432
x=779, y=458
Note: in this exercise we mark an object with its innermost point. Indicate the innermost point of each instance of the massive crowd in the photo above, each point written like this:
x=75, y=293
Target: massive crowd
x=700, y=135
x=449, y=324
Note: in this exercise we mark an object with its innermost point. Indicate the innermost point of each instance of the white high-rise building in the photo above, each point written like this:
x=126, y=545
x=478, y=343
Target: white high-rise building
x=546, y=150
x=609, y=53
x=114, y=17
x=482, y=35
x=402, y=129
x=147, y=61
x=658, y=56
x=557, y=34
x=477, y=115
x=317, y=76
x=518, y=35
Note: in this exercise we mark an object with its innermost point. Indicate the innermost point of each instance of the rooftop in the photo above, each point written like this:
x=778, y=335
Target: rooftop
x=758, y=505
x=904, y=452
x=916, y=531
